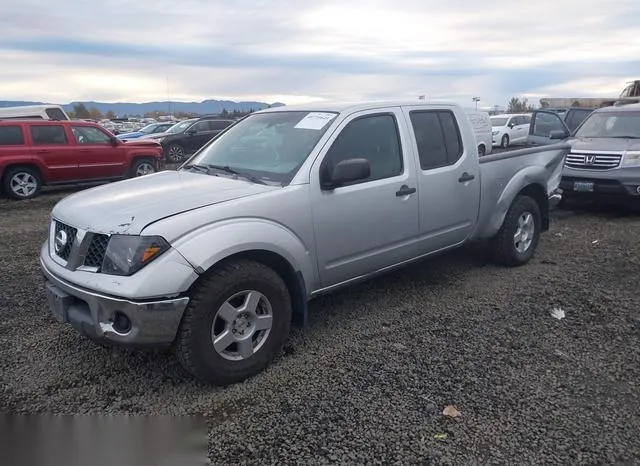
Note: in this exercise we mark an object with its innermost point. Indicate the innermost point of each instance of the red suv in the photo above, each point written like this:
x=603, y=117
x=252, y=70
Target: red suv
x=34, y=153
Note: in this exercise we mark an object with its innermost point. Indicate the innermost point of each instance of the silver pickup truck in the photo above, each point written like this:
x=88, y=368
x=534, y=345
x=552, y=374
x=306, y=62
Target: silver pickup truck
x=218, y=257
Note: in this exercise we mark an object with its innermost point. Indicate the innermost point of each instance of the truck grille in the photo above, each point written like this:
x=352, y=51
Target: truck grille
x=592, y=161
x=96, y=251
x=64, y=238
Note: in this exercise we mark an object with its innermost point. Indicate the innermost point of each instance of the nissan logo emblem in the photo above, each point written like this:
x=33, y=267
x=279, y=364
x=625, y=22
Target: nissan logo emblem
x=60, y=241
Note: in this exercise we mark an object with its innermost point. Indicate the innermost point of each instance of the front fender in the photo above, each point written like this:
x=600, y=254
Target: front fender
x=206, y=246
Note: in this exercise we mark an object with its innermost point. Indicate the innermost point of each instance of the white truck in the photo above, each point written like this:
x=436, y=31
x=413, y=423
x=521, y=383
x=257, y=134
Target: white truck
x=289, y=203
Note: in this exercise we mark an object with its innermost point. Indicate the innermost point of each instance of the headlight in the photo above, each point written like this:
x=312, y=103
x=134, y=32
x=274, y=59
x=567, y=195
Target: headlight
x=631, y=158
x=126, y=254
x=159, y=139
x=494, y=132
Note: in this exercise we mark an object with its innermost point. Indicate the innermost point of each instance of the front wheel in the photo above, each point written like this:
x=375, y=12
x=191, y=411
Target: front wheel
x=236, y=323
x=481, y=151
x=175, y=153
x=504, y=142
x=142, y=167
x=516, y=241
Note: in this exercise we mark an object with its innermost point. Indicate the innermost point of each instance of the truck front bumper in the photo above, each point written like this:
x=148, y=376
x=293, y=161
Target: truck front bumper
x=111, y=319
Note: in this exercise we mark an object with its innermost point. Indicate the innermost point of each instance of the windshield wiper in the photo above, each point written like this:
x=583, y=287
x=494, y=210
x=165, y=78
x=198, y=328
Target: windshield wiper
x=231, y=171
x=200, y=168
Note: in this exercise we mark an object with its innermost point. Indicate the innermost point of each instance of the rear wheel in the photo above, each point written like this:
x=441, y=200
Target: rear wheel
x=175, y=153
x=236, y=323
x=22, y=183
x=517, y=239
x=142, y=167
x=504, y=142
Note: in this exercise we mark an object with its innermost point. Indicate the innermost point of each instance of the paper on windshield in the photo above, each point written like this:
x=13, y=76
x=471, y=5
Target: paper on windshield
x=315, y=120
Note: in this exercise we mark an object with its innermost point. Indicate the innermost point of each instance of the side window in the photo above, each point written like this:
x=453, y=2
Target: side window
x=11, y=136
x=438, y=138
x=516, y=120
x=372, y=137
x=49, y=134
x=219, y=125
x=200, y=126
x=526, y=119
x=89, y=135
x=544, y=123
x=55, y=114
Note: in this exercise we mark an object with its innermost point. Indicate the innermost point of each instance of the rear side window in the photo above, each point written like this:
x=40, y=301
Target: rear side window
x=218, y=125
x=438, y=138
x=55, y=114
x=11, y=136
x=49, y=134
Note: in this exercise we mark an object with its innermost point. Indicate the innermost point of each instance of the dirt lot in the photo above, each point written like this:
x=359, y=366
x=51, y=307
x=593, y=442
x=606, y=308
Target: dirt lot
x=369, y=378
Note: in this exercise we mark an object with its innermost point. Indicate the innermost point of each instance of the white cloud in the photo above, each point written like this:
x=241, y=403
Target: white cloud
x=293, y=51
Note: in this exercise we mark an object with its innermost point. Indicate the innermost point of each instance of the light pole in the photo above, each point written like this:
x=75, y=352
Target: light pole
x=476, y=100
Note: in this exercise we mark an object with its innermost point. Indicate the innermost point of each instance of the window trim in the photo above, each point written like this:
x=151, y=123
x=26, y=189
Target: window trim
x=64, y=131
x=324, y=162
x=457, y=126
x=21, y=129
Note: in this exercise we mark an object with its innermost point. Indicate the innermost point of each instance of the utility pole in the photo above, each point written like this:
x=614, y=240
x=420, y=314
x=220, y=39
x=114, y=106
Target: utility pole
x=476, y=100
x=169, y=99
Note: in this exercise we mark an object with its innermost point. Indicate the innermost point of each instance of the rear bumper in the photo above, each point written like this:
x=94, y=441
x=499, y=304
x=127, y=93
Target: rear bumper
x=153, y=322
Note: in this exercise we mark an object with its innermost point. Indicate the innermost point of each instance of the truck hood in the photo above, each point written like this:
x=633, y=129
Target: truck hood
x=127, y=207
x=142, y=142
x=604, y=144
x=151, y=137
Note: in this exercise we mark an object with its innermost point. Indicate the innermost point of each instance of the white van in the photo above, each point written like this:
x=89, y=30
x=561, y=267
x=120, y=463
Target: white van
x=33, y=112
x=482, y=129
x=510, y=129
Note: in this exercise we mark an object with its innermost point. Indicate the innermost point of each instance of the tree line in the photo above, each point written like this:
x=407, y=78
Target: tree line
x=82, y=112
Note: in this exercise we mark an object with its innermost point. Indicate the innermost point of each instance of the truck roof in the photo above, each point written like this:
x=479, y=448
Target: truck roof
x=339, y=107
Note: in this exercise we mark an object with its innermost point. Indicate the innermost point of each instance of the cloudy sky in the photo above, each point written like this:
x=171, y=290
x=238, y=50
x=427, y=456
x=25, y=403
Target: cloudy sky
x=297, y=51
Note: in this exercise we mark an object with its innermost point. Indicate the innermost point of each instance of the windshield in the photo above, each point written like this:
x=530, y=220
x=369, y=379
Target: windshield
x=611, y=125
x=180, y=127
x=498, y=121
x=268, y=146
x=148, y=129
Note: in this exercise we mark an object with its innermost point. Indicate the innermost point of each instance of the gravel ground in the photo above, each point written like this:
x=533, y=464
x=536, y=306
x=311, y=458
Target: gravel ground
x=368, y=379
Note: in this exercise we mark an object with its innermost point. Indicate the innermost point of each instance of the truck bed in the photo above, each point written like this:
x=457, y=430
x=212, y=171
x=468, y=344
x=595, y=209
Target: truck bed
x=504, y=174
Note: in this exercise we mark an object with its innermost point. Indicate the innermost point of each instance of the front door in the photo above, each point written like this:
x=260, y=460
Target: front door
x=370, y=224
x=197, y=136
x=98, y=158
x=51, y=145
x=542, y=124
x=448, y=176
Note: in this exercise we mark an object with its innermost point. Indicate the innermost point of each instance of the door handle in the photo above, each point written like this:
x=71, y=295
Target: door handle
x=405, y=190
x=42, y=152
x=466, y=177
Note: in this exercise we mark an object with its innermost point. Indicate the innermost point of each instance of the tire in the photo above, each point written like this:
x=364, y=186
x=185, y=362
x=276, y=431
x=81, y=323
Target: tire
x=174, y=153
x=142, y=167
x=505, y=249
x=481, y=151
x=22, y=183
x=202, y=322
x=504, y=142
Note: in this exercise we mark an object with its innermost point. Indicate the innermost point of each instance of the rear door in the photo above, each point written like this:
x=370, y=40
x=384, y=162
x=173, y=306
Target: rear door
x=51, y=145
x=97, y=157
x=448, y=179
x=542, y=123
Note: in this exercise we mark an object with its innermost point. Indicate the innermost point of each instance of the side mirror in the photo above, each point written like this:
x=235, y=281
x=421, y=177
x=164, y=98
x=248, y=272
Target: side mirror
x=511, y=125
x=347, y=171
x=115, y=141
x=558, y=134
x=190, y=132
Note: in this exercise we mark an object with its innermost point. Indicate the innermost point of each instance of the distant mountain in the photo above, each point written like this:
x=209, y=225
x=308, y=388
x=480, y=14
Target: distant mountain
x=133, y=109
